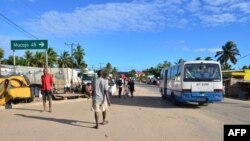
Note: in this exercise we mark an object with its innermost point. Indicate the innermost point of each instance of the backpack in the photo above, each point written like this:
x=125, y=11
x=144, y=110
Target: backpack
x=119, y=82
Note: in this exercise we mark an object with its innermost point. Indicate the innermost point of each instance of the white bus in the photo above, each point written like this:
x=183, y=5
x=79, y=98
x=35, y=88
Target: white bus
x=192, y=81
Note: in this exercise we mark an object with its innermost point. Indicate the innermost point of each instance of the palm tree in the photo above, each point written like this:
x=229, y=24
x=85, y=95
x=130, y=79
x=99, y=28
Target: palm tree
x=246, y=67
x=229, y=52
x=208, y=58
x=78, y=56
x=1, y=57
x=28, y=58
x=226, y=66
x=39, y=59
x=64, y=60
x=180, y=61
x=198, y=58
x=52, y=57
x=21, y=61
x=10, y=59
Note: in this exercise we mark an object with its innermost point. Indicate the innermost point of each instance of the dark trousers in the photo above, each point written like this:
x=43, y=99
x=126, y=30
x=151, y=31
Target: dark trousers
x=120, y=91
x=132, y=93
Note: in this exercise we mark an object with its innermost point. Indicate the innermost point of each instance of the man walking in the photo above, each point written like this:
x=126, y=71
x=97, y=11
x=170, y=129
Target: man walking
x=120, y=83
x=131, y=86
x=47, y=83
x=100, y=99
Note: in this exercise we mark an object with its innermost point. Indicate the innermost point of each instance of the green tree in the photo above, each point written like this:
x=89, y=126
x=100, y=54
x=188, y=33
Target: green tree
x=52, y=57
x=208, y=58
x=180, y=61
x=28, y=56
x=78, y=56
x=114, y=72
x=198, y=58
x=21, y=61
x=64, y=60
x=18, y=60
x=9, y=60
x=132, y=73
x=39, y=59
x=107, y=70
x=226, y=66
x=246, y=67
x=1, y=57
x=229, y=52
x=160, y=66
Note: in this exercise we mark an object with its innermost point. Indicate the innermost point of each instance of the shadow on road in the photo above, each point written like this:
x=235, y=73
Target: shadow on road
x=27, y=109
x=63, y=121
x=151, y=102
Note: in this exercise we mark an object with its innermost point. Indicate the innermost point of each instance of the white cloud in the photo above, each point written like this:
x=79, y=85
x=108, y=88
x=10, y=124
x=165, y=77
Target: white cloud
x=243, y=6
x=107, y=17
x=217, y=2
x=210, y=50
x=194, y=5
x=213, y=9
x=214, y=50
x=141, y=15
x=218, y=19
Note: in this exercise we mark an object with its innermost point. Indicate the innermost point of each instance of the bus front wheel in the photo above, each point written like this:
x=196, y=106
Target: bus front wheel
x=173, y=100
x=162, y=95
x=202, y=104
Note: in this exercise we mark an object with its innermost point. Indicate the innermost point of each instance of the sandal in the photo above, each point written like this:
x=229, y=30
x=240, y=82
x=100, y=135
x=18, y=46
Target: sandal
x=105, y=122
x=96, y=127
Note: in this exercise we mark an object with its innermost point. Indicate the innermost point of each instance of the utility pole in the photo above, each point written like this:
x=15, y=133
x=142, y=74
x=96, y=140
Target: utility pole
x=71, y=45
x=101, y=65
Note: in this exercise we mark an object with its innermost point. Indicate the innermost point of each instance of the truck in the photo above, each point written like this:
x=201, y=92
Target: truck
x=62, y=77
x=14, y=89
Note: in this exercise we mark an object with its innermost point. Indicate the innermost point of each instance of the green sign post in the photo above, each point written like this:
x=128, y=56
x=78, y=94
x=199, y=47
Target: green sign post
x=29, y=44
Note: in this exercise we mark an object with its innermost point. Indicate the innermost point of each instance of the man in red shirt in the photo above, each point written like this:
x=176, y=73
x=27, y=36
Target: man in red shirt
x=47, y=83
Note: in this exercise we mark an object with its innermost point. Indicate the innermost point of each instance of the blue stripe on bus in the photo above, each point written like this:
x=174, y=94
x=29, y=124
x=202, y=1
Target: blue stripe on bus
x=197, y=96
x=200, y=97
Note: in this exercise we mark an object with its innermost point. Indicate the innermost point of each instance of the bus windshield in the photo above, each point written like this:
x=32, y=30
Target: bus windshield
x=88, y=76
x=202, y=72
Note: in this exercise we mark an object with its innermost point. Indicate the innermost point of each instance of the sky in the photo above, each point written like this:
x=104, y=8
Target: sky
x=130, y=34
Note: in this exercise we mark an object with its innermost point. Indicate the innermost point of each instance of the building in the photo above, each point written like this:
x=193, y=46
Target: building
x=237, y=83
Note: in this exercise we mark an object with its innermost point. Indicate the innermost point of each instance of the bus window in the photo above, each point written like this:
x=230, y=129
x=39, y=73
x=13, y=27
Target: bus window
x=178, y=74
x=169, y=73
x=201, y=72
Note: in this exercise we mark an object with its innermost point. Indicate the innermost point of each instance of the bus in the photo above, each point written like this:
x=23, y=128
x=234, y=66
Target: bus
x=192, y=81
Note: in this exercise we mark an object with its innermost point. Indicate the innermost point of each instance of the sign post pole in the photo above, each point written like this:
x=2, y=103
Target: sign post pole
x=46, y=53
x=14, y=61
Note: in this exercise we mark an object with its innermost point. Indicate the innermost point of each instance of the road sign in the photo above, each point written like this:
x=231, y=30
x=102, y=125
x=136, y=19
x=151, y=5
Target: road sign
x=29, y=44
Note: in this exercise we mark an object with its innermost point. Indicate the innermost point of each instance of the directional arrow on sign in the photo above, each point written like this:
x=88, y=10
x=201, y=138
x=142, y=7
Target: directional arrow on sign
x=41, y=44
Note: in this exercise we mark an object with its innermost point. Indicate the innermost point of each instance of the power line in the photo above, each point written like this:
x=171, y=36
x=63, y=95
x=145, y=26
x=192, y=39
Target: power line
x=7, y=20
x=244, y=56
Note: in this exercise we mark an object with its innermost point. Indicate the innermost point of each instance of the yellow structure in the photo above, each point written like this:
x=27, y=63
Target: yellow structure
x=14, y=88
x=239, y=74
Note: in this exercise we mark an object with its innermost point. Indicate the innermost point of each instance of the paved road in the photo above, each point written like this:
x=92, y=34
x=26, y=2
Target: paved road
x=147, y=117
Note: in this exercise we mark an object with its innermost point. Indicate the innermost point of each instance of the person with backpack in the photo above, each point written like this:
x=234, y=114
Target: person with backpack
x=120, y=83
